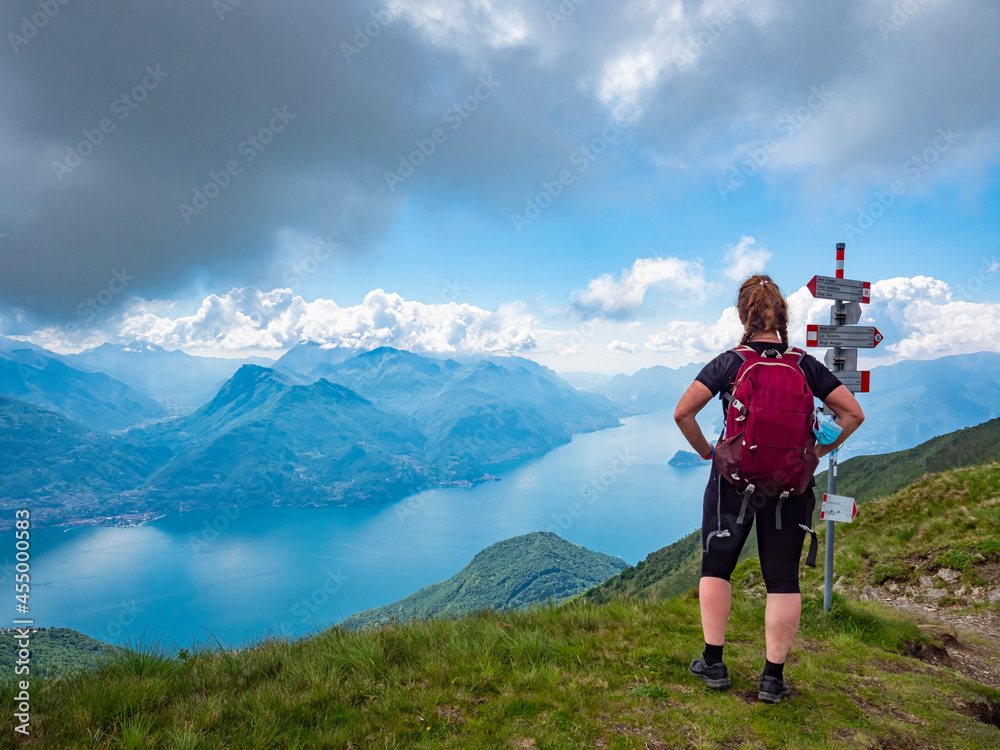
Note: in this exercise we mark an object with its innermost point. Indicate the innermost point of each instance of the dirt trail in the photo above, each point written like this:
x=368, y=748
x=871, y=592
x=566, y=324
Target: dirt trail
x=969, y=638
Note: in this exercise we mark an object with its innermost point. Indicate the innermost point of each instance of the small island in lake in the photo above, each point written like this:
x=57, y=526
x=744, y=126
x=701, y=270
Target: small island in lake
x=686, y=458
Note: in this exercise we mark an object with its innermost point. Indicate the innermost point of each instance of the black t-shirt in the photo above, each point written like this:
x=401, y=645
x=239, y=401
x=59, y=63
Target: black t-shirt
x=720, y=374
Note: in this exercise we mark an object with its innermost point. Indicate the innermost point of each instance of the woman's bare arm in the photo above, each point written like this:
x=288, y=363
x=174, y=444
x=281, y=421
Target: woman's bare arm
x=692, y=402
x=849, y=416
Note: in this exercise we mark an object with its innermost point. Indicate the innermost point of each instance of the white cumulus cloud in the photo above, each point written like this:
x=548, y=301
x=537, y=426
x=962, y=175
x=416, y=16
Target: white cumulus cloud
x=622, y=347
x=249, y=318
x=622, y=296
x=928, y=322
x=744, y=259
x=697, y=340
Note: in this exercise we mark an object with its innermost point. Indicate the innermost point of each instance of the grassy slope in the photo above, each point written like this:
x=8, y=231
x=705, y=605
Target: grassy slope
x=516, y=572
x=664, y=573
x=55, y=650
x=675, y=568
x=576, y=675
x=951, y=519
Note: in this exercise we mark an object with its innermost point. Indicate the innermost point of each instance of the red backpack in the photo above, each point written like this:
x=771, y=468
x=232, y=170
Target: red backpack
x=768, y=446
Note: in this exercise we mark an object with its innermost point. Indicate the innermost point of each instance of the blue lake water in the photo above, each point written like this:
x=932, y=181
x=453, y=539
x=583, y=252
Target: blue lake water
x=240, y=575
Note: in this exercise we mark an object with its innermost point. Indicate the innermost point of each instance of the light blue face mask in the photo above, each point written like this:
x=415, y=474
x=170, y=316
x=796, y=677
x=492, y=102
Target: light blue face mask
x=826, y=430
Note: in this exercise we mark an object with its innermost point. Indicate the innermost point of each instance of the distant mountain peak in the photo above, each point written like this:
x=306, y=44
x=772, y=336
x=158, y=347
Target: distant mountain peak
x=328, y=389
x=142, y=346
x=136, y=346
x=248, y=383
x=383, y=352
x=257, y=374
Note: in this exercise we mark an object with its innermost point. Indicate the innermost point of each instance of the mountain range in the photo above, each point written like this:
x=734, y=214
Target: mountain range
x=393, y=423
x=93, y=399
x=180, y=382
x=331, y=426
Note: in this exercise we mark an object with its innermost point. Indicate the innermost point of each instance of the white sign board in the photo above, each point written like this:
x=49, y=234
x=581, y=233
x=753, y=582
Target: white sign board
x=856, y=382
x=838, y=508
x=848, y=290
x=866, y=337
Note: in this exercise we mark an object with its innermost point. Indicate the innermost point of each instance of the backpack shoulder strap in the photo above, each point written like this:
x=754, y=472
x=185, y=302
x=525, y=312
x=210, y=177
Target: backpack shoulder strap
x=795, y=353
x=743, y=352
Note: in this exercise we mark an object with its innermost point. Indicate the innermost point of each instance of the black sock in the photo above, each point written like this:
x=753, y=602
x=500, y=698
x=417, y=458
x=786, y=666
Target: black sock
x=712, y=654
x=774, y=670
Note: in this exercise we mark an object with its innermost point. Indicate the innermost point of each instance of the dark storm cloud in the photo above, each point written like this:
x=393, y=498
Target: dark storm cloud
x=117, y=112
x=300, y=138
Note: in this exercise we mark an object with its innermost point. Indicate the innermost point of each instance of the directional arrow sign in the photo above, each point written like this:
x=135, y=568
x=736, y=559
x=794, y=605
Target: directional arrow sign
x=849, y=290
x=864, y=337
x=838, y=508
x=855, y=382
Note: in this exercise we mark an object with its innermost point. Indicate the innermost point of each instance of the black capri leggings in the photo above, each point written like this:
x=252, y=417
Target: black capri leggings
x=779, y=534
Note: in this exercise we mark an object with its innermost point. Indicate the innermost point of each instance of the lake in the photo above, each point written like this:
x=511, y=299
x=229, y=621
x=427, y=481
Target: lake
x=240, y=575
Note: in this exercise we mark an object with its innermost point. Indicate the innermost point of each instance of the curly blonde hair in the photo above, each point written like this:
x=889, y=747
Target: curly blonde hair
x=762, y=309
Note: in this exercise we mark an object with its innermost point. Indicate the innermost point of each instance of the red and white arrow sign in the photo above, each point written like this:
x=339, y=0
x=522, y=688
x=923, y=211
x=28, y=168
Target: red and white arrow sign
x=862, y=337
x=848, y=290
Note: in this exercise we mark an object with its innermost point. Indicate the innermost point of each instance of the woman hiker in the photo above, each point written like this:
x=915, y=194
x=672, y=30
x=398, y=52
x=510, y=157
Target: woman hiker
x=725, y=523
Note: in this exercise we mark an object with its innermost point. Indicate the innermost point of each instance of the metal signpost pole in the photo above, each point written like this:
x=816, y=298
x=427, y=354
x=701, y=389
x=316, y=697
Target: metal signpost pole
x=844, y=338
x=838, y=316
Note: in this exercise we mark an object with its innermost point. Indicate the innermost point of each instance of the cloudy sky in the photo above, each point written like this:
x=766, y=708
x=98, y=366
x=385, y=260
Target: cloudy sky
x=583, y=182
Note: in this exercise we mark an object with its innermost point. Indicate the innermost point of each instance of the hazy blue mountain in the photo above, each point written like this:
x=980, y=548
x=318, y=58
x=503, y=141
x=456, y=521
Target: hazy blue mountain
x=58, y=464
x=312, y=360
x=911, y=402
x=650, y=388
x=517, y=572
x=585, y=379
x=477, y=413
x=180, y=382
x=284, y=443
x=382, y=425
x=93, y=399
x=8, y=344
x=599, y=400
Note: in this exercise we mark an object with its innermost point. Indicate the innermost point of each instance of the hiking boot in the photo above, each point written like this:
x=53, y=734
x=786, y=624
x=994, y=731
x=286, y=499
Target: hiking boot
x=772, y=690
x=717, y=676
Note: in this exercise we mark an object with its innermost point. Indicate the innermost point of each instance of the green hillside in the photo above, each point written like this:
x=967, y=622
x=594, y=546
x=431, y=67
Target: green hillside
x=55, y=650
x=675, y=568
x=868, y=477
x=663, y=574
x=514, y=573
